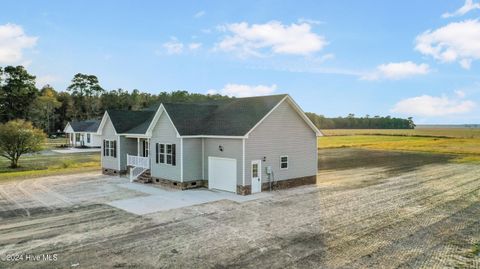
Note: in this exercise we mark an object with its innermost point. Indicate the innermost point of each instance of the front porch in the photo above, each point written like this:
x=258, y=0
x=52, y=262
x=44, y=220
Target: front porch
x=137, y=156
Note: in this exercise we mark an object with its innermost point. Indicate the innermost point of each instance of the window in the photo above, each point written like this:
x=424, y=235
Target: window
x=88, y=138
x=169, y=154
x=77, y=137
x=255, y=170
x=145, y=148
x=162, y=153
x=284, y=162
x=110, y=148
x=165, y=153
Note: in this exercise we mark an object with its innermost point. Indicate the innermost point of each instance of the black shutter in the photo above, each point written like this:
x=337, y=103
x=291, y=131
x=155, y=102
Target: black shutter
x=104, y=148
x=114, y=148
x=174, y=155
x=156, y=152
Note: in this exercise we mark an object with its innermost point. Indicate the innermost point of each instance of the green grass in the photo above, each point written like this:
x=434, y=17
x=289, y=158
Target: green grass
x=49, y=163
x=476, y=249
x=429, y=132
x=466, y=149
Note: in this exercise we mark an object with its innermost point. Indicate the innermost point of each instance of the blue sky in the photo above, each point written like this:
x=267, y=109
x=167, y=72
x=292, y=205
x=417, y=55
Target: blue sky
x=399, y=58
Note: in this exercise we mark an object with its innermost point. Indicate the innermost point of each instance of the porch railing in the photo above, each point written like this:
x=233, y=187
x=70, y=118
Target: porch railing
x=137, y=161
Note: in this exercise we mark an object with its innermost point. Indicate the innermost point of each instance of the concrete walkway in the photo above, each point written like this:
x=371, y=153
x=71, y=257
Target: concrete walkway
x=76, y=150
x=166, y=199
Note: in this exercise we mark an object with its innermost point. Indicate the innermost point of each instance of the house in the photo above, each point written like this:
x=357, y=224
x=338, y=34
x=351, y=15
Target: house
x=84, y=133
x=241, y=145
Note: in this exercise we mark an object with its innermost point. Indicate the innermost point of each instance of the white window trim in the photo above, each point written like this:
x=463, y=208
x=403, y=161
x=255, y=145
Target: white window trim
x=165, y=154
x=288, y=162
x=109, y=150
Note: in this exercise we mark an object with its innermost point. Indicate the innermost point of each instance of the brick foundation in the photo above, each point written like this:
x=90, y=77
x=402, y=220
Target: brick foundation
x=244, y=190
x=290, y=183
x=110, y=172
x=180, y=185
x=280, y=185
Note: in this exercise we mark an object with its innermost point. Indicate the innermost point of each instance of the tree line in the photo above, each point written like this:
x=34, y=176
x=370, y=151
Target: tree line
x=50, y=109
x=367, y=122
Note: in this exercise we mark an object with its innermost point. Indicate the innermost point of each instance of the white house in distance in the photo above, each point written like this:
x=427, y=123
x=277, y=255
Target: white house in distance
x=84, y=133
x=240, y=145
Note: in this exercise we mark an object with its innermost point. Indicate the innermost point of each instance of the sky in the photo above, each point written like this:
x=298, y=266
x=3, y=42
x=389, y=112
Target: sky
x=372, y=57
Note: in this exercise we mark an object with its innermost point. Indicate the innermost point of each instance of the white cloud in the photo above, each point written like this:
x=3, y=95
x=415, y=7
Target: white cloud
x=460, y=94
x=253, y=40
x=194, y=46
x=434, y=106
x=199, y=14
x=458, y=41
x=240, y=90
x=173, y=46
x=467, y=7
x=13, y=41
x=396, y=71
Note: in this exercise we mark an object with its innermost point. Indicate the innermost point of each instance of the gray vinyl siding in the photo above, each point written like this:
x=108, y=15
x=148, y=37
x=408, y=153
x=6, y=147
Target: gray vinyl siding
x=127, y=146
x=164, y=133
x=232, y=148
x=283, y=132
x=192, y=160
x=108, y=133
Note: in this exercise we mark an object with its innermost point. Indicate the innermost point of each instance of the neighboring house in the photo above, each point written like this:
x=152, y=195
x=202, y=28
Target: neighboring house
x=84, y=133
x=242, y=145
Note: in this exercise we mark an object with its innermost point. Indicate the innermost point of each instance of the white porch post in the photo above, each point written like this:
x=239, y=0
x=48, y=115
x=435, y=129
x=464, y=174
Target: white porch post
x=138, y=146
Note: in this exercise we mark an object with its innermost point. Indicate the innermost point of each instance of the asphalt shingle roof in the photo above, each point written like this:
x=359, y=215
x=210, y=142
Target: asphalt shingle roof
x=132, y=122
x=85, y=126
x=230, y=117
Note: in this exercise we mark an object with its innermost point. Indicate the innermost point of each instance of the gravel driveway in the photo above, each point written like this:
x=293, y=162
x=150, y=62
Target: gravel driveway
x=381, y=210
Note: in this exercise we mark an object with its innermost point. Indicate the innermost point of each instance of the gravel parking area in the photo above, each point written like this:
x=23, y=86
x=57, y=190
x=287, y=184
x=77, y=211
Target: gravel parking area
x=369, y=209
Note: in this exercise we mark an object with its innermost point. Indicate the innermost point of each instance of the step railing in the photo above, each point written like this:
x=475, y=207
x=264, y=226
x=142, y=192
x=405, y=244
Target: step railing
x=137, y=161
x=135, y=172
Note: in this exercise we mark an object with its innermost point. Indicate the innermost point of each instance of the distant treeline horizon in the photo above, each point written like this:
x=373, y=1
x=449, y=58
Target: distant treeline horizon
x=366, y=122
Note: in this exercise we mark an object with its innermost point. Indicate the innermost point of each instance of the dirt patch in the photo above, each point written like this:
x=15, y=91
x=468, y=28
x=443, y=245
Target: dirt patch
x=388, y=215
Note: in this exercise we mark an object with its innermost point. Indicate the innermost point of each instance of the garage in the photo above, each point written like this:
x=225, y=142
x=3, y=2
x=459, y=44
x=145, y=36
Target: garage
x=222, y=174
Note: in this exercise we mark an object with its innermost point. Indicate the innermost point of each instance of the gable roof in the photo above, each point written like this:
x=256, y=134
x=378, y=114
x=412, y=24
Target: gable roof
x=230, y=117
x=131, y=122
x=86, y=126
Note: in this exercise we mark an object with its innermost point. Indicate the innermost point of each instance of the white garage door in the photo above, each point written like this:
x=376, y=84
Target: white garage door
x=222, y=174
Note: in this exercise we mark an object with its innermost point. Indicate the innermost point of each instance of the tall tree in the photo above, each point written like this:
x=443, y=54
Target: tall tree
x=65, y=112
x=85, y=91
x=44, y=108
x=18, y=137
x=17, y=93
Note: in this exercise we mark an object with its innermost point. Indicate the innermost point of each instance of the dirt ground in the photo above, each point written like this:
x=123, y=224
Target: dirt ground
x=370, y=209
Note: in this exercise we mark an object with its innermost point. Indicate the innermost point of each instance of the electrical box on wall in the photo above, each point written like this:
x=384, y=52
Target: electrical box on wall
x=268, y=170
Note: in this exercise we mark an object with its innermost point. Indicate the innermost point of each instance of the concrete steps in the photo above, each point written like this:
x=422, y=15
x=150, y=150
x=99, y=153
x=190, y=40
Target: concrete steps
x=145, y=177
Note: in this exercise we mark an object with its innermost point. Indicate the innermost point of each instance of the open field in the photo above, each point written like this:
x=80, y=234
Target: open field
x=48, y=162
x=370, y=209
x=433, y=132
x=464, y=149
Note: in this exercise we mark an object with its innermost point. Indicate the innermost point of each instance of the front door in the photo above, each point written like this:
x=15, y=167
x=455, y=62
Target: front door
x=256, y=176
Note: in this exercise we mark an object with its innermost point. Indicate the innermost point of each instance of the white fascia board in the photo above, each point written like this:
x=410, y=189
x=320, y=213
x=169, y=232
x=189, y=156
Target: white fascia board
x=213, y=136
x=268, y=114
x=136, y=136
x=154, y=120
x=304, y=116
x=104, y=121
x=66, y=127
x=161, y=109
x=297, y=109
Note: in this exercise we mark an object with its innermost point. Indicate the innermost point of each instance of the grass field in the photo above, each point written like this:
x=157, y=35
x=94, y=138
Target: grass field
x=429, y=132
x=463, y=143
x=49, y=163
